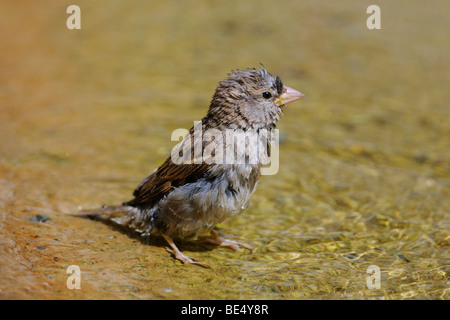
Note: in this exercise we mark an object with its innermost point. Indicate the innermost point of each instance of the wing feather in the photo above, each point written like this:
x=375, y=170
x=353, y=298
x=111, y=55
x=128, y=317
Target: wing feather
x=164, y=179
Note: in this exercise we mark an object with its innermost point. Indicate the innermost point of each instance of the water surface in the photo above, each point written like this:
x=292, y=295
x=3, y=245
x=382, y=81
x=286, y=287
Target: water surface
x=364, y=173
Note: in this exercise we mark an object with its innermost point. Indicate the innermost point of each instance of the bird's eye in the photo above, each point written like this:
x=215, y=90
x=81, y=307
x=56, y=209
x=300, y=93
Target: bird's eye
x=267, y=95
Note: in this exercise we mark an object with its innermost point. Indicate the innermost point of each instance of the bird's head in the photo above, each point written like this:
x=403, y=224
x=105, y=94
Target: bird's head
x=251, y=98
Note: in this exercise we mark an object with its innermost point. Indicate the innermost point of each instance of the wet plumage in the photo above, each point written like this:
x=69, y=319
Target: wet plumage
x=186, y=200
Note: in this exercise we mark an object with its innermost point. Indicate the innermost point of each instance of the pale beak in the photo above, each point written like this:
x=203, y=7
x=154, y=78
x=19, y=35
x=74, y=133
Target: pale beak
x=289, y=95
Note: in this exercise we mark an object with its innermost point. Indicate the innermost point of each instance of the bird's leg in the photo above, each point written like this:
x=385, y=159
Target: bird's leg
x=180, y=256
x=216, y=239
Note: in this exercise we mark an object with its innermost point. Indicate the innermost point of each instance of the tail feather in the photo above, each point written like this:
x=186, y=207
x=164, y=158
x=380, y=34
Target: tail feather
x=105, y=213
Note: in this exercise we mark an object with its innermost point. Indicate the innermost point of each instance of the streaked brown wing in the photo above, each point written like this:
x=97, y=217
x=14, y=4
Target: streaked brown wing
x=163, y=180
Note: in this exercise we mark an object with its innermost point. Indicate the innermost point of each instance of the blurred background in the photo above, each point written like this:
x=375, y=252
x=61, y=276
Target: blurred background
x=364, y=173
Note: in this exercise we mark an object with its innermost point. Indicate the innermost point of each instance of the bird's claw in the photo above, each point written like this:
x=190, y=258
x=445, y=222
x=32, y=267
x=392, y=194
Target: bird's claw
x=224, y=242
x=185, y=259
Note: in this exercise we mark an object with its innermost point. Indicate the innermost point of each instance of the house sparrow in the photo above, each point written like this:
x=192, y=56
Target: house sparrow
x=186, y=200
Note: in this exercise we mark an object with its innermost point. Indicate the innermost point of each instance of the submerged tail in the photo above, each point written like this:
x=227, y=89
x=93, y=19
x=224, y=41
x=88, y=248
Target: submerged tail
x=104, y=213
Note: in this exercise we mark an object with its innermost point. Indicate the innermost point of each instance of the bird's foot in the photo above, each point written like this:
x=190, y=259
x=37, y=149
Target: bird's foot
x=181, y=256
x=216, y=239
x=185, y=259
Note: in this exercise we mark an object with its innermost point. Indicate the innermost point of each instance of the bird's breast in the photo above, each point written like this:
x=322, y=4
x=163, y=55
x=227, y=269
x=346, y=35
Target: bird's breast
x=195, y=208
x=235, y=185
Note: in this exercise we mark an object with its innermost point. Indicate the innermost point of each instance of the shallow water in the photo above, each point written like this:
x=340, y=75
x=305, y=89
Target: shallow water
x=364, y=174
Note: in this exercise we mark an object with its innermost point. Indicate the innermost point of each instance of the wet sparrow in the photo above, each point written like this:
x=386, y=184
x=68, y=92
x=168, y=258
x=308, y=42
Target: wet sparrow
x=186, y=199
